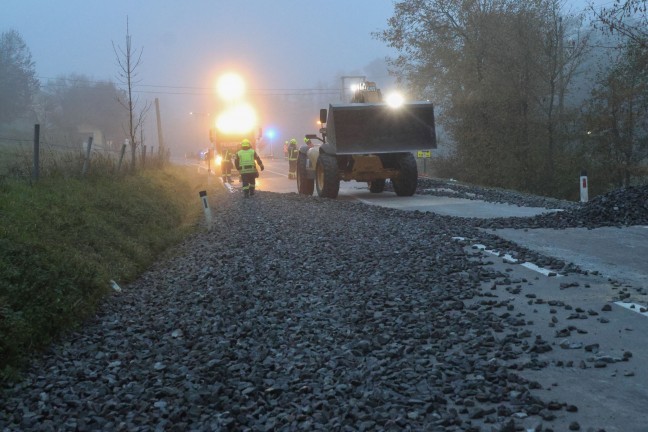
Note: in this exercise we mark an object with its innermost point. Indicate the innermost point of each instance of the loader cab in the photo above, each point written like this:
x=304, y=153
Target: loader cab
x=369, y=86
x=367, y=92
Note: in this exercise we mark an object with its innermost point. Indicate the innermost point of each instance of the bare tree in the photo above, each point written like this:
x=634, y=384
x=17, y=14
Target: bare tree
x=625, y=17
x=500, y=71
x=617, y=119
x=566, y=46
x=129, y=60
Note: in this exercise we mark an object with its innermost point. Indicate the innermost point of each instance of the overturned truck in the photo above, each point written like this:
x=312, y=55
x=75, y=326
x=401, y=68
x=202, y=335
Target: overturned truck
x=366, y=142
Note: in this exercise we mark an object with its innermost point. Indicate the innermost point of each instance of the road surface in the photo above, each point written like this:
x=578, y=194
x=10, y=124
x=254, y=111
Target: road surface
x=617, y=262
x=599, y=318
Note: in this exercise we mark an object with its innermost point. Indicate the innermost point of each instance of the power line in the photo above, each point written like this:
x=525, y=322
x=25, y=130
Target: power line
x=204, y=90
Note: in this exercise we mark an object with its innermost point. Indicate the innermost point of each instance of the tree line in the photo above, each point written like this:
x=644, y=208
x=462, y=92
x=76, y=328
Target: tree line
x=66, y=105
x=529, y=94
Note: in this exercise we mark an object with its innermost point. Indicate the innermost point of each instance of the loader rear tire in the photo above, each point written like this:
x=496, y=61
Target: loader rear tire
x=327, y=180
x=407, y=179
x=376, y=186
x=305, y=186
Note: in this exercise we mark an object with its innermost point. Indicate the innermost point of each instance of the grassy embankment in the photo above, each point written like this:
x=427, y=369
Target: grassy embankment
x=63, y=239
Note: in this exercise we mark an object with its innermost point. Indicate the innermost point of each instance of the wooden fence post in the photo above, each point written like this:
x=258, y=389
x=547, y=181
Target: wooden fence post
x=86, y=162
x=36, y=170
x=121, y=155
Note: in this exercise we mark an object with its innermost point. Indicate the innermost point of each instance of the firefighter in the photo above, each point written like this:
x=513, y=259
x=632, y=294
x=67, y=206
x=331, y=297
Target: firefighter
x=226, y=165
x=292, y=159
x=308, y=142
x=245, y=163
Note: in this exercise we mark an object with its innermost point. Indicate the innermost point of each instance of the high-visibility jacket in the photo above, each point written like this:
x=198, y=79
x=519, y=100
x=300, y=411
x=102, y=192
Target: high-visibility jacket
x=245, y=159
x=292, y=152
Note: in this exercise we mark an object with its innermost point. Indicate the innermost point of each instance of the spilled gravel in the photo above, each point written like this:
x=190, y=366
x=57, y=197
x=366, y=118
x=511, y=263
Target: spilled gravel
x=300, y=313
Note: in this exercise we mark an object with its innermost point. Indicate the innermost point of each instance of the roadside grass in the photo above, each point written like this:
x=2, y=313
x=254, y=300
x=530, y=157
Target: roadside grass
x=62, y=239
x=9, y=156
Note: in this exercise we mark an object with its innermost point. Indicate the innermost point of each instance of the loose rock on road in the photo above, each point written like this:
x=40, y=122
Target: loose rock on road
x=300, y=313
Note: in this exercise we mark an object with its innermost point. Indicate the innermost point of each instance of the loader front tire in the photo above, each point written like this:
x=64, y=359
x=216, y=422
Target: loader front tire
x=326, y=176
x=376, y=186
x=407, y=179
x=305, y=186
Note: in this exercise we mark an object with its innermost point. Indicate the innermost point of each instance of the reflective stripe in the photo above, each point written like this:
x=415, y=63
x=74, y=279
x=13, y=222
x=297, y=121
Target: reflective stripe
x=246, y=161
x=292, y=155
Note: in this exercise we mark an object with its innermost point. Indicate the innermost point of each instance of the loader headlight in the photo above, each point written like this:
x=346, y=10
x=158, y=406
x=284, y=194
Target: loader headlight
x=219, y=159
x=395, y=100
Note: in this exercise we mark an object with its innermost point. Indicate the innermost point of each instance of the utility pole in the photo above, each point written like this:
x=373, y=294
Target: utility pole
x=159, y=128
x=561, y=70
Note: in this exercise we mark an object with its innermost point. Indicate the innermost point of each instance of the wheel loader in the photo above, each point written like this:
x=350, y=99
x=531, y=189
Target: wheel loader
x=367, y=140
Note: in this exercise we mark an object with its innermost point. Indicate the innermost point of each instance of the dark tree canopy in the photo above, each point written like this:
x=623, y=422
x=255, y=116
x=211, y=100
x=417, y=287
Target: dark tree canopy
x=616, y=117
x=498, y=71
x=18, y=83
x=76, y=100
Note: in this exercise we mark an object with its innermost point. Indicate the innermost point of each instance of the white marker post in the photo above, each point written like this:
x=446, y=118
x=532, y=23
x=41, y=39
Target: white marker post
x=583, y=186
x=208, y=217
x=210, y=156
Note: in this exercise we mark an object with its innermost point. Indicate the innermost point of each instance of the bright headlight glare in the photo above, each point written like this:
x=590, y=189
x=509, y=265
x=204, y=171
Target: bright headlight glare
x=395, y=100
x=230, y=86
x=237, y=120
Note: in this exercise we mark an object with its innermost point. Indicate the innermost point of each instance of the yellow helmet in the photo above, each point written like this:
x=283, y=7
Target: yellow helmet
x=293, y=141
x=306, y=140
x=245, y=143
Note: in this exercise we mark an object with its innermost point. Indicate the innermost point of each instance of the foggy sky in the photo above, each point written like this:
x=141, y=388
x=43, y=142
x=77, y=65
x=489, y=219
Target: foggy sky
x=280, y=46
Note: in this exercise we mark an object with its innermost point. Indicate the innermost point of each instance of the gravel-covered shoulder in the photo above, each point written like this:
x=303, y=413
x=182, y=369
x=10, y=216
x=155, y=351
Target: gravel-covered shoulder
x=621, y=207
x=297, y=313
x=454, y=189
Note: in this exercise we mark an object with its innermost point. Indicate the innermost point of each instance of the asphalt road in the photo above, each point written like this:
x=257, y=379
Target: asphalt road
x=612, y=394
x=618, y=253
x=568, y=312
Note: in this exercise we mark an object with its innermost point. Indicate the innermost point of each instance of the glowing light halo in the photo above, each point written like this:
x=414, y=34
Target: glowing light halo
x=240, y=119
x=230, y=86
x=395, y=100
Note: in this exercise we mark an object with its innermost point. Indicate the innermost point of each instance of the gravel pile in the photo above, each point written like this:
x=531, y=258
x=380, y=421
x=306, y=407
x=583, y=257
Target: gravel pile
x=298, y=313
x=449, y=188
x=620, y=207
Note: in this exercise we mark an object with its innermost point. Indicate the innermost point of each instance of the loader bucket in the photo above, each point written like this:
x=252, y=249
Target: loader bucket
x=379, y=128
